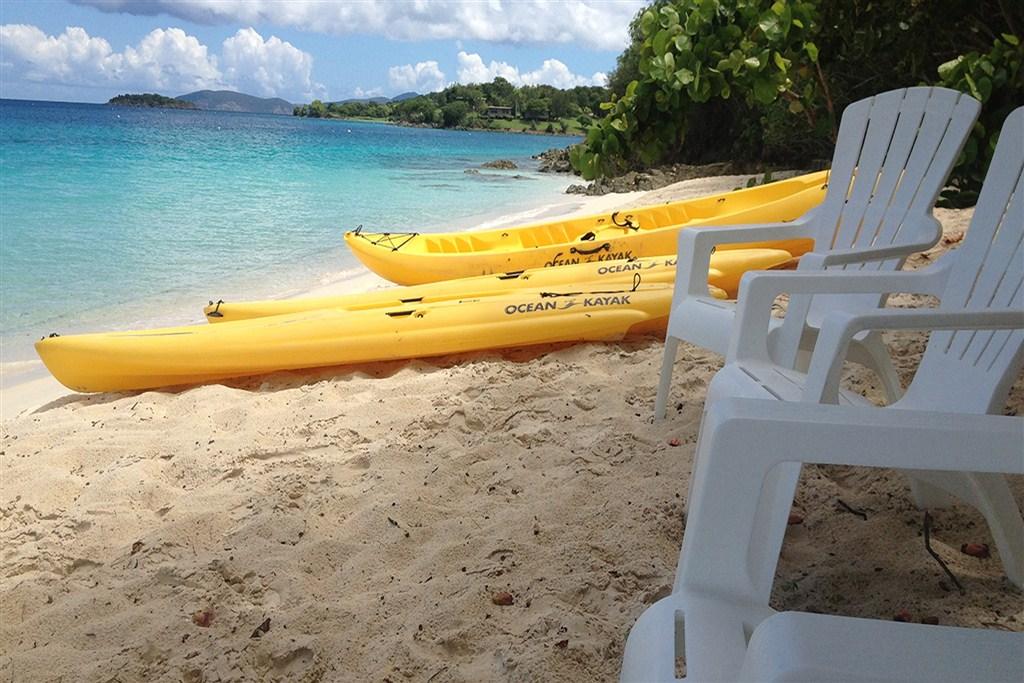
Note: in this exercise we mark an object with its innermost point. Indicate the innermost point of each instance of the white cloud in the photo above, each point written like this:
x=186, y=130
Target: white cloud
x=361, y=94
x=423, y=77
x=471, y=69
x=167, y=60
x=597, y=24
x=268, y=67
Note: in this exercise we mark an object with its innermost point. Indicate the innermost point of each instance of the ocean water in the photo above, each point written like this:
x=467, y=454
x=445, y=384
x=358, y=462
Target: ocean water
x=116, y=218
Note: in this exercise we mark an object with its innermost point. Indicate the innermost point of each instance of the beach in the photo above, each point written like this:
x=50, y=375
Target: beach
x=495, y=516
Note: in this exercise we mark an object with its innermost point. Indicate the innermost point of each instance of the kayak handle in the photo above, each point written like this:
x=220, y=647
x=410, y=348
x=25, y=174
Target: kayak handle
x=627, y=222
x=585, y=252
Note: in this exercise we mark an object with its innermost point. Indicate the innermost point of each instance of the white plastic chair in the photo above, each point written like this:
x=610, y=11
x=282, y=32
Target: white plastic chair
x=754, y=439
x=894, y=152
x=717, y=619
x=980, y=285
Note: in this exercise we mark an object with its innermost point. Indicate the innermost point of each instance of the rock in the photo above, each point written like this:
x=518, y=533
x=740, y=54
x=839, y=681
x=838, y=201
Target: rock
x=503, y=164
x=655, y=178
x=554, y=161
x=472, y=171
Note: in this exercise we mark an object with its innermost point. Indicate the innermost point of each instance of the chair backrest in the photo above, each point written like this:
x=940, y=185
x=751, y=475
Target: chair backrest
x=972, y=371
x=894, y=153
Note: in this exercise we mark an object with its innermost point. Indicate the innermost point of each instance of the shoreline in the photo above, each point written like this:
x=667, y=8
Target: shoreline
x=400, y=124
x=26, y=385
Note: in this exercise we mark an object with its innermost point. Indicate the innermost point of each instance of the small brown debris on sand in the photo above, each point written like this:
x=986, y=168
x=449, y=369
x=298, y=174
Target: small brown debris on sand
x=980, y=550
x=261, y=629
x=503, y=598
x=203, y=618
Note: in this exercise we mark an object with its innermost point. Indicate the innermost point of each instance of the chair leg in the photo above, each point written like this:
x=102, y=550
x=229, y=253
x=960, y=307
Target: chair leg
x=990, y=494
x=872, y=353
x=667, y=365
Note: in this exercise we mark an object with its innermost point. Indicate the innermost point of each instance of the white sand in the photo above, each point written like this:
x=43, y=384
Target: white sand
x=373, y=514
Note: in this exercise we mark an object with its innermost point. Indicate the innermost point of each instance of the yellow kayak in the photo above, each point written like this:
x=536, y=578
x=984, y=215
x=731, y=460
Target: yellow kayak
x=723, y=278
x=173, y=356
x=414, y=258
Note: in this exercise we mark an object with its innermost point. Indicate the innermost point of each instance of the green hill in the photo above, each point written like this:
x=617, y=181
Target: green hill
x=228, y=100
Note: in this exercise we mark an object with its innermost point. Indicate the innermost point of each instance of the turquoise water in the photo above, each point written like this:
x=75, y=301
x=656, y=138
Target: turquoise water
x=119, y=218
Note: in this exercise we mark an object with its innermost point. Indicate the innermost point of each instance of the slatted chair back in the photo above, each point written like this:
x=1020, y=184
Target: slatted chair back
x=973, y=371
x=893, y=155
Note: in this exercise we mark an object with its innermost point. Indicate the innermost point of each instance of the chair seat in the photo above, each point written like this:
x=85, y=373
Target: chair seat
x=802, y=647
x=716, y=320
x=768, y=381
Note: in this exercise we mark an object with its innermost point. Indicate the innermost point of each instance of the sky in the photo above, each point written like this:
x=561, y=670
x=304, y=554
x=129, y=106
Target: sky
x=91, y=50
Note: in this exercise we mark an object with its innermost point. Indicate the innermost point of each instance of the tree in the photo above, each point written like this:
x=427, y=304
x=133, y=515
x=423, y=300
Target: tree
x=536, y=109
x=756, y=79
x=694, y=51
x=317, y=109
x=561, y=101
x=454, y=113
x=499, y=92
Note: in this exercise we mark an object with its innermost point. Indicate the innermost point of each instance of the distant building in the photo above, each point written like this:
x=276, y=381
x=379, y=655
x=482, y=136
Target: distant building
x=499, y=112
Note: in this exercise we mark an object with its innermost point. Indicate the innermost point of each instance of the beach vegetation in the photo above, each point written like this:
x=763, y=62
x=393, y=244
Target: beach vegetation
x=497, y=105
x=766, y=80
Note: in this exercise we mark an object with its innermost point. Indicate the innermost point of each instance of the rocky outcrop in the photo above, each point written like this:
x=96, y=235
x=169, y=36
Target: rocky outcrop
x=503, y=164
x=654, y=178
x=554, y=161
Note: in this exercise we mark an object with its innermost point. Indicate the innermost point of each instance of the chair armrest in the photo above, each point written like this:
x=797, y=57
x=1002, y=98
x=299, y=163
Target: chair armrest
x=839, y=327
x=758, y=289
x=865, y=437
x=696, y=244
x=842, y=257
x=925, y=225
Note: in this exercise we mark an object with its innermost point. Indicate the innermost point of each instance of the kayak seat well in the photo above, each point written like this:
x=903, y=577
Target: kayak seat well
x=545, y=236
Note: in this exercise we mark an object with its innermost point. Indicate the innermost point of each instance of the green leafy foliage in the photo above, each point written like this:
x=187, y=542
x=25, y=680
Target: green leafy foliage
x=997, y=80
x=695, y=51
x=766, y=80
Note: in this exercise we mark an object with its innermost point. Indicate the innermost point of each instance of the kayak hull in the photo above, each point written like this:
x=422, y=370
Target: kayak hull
x=411, y=258
x=175, y=356
x=724, y=274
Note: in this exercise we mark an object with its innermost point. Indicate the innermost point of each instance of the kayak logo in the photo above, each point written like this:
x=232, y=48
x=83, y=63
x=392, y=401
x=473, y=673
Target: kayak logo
x=635, y=265
x=602, y=254
x=531, y=307
x=587, y=302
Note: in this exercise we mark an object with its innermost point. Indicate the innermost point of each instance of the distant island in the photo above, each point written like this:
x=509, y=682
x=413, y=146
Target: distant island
x=209, y=100
x=228, y=100
x=150, y=100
